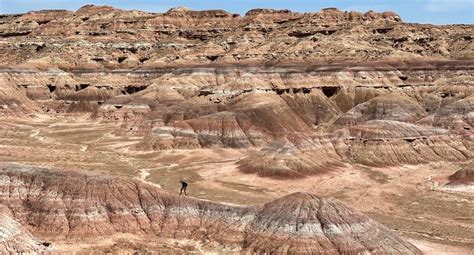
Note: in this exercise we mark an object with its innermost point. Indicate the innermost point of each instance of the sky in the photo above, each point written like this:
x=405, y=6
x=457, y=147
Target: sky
x=418, y=11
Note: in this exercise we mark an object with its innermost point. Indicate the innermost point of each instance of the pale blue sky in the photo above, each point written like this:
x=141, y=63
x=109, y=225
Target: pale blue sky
x=421, y=11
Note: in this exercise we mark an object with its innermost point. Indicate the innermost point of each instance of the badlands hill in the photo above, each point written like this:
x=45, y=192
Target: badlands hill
x=332, y=86
x=64, y=206
x=248, y=108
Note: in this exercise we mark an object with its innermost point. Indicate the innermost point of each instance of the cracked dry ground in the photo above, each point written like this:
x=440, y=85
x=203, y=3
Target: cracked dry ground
x=401, y=198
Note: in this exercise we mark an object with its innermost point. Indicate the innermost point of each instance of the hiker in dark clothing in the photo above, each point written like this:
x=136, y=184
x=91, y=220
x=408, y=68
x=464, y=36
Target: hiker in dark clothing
x=184, y=186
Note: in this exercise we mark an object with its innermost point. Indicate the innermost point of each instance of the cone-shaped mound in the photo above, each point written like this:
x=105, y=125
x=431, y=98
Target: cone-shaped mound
x=287, y=159
x=303, y=223
x=397, y=107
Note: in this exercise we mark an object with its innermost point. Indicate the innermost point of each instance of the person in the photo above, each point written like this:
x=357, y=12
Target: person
x=184, y=186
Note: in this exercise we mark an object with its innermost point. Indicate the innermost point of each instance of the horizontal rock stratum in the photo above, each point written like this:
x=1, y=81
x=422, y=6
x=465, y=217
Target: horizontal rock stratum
x=105, y=37
x=59, y=205
x=333, y=87
x=375, y=114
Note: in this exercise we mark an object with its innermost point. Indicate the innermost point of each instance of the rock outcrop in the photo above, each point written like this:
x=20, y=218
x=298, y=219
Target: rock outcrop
x=462, y=180
x=334, y=87
x=58, y=206
x=106, y=37
x=15, y=239
x=463, y=176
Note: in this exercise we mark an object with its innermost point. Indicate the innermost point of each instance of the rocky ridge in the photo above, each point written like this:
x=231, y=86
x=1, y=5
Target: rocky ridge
x=95, y=37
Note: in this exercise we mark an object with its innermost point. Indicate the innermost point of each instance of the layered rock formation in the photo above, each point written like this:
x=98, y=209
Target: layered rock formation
x=293, y=158
x=334, y=87
x=61, y=206
x=104, y=37
x=296, y=93
x=303, y=223
x=15, y=239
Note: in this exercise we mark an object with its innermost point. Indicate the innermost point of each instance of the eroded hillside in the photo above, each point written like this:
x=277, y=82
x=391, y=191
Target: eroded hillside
x=363, y=107
x=68, y=206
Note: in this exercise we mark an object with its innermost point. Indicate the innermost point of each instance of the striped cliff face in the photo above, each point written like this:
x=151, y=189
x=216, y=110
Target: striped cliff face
x=61, y=206
x=106, y=37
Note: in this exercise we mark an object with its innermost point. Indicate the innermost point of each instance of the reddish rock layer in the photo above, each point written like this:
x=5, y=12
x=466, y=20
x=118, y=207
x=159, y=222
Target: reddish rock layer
x=69, y=206
x=105, y=37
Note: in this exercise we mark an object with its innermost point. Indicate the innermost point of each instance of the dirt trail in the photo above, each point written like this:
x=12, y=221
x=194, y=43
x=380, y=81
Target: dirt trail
x=429, y=248
x=143, y=174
